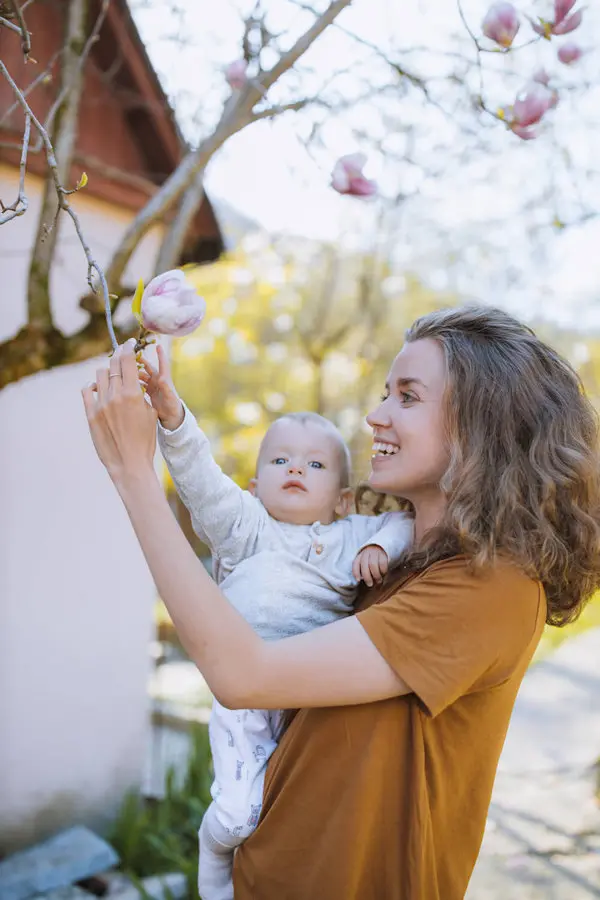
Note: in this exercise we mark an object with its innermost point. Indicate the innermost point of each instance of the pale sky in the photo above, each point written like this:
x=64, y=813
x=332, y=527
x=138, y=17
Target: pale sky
x=267, y=173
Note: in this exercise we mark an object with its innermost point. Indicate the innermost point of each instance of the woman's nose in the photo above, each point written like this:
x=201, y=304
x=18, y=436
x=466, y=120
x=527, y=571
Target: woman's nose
x=378, y=417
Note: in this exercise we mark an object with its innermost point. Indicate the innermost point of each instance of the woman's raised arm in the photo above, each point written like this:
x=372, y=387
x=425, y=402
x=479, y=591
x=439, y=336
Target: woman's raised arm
x=330, y=666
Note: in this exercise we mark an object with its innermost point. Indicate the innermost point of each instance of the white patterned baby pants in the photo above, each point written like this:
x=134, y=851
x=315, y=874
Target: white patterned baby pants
x=241, y=741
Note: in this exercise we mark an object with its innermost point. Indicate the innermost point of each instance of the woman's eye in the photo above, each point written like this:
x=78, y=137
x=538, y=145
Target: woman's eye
x=316, y=465
x=406, y=398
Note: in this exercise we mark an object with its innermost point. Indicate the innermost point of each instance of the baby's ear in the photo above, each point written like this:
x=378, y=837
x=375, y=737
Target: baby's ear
x=345, y=503
x=252, y=486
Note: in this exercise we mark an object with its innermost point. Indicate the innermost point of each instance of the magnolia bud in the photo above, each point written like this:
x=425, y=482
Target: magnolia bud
x=170, y=305
x=541, y=76
x=501, y=24
x=569, y=53
x=347, y=176
x=236, y=74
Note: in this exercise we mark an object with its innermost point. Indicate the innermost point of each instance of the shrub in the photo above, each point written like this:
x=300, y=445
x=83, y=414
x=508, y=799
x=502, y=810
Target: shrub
x=153, y=836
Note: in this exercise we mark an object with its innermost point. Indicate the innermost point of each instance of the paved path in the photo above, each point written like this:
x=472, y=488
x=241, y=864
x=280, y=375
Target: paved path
x=543, y=835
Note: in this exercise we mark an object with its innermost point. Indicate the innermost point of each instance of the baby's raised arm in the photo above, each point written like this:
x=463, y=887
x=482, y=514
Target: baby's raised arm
x=227, y=518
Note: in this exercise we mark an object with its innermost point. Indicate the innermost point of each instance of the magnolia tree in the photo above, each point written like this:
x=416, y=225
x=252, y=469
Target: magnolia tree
x=264, y=83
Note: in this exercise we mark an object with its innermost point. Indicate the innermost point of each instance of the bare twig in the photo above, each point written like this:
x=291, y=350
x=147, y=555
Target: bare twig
x=25, y=36
x=30, y=87
x=306, y=40
x=271, y=111
x=63, y=202
x=19, y=207
x=6, y=23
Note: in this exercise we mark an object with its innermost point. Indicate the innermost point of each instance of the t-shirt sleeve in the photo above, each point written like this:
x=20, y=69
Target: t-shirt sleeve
x=447, y=631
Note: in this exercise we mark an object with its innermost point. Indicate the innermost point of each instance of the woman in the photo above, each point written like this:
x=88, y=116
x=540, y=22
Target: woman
x=379, y=789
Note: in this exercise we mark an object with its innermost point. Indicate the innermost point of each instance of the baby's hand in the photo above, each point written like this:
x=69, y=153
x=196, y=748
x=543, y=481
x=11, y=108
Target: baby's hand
x=161, y=392
x=370, y=565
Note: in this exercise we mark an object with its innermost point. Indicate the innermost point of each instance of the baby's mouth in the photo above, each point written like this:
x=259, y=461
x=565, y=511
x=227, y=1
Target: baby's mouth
x=291, y=485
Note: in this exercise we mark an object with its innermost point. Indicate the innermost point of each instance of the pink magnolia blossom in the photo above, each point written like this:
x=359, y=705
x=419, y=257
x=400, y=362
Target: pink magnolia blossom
x=570, y=53
x=528, y=109
x=170, y=305
x=563, y=22
x=236, y=74
x=347, y=176
x=501, y=23
x=532, y=104
x=541, y=77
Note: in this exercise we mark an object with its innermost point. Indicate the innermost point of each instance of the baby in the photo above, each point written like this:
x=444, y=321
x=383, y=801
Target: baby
x=288, y=556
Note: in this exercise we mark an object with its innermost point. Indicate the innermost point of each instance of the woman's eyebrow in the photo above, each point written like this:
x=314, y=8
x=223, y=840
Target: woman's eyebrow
x=404, y=382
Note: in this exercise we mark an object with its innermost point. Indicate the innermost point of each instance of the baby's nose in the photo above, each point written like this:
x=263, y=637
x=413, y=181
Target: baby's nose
x=295, y=469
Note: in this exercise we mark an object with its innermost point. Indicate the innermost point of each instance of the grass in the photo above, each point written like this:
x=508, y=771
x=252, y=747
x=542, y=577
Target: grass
x=554, y=637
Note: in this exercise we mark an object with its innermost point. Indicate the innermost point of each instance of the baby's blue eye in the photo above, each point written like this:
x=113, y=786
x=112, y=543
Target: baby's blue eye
x=279, y=461
x=316, y=465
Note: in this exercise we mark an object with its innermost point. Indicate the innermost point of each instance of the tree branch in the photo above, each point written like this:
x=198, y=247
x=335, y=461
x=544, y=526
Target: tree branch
x=30, y=87
x=62, y=203
x=191, y=166
x=62, y=139
x=236, y=114
x=303, y=43
x=174, y=239
x=19, y=207
x=271, y=111
x=25, y=36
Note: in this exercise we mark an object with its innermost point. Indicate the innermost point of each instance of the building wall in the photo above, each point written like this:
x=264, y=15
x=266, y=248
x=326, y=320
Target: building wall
x=75, y=594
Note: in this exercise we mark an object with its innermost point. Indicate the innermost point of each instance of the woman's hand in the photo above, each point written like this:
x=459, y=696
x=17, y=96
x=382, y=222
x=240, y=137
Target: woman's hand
x=122, y=423
x=161, y=391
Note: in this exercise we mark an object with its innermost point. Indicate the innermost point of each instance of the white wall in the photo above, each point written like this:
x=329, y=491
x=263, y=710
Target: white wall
x=75, y=594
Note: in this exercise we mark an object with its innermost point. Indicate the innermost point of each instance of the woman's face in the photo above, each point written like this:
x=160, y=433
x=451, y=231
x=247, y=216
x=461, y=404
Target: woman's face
x=410, y=449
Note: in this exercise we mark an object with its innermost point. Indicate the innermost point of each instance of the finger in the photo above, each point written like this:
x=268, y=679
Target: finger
x=164, y=367
x=89, y=401
x=114, y=366
x=102, y=384
x=366, y=572
x=150, y=369
x=384, y=563
x=129, y=369
x=356, y=568
x=375, y=571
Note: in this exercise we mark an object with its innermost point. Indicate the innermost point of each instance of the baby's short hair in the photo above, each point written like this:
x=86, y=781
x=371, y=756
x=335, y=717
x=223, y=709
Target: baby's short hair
x=344, y=452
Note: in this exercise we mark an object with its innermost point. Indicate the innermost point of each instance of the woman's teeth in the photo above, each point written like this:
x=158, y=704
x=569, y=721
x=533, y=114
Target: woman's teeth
x=383, y=449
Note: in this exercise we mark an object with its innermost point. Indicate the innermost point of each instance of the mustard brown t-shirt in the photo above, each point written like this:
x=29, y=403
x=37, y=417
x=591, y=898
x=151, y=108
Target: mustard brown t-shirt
x=388, y=800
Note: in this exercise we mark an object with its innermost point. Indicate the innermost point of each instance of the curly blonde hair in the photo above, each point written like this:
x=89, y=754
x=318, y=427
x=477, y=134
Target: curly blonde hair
x=524, y=475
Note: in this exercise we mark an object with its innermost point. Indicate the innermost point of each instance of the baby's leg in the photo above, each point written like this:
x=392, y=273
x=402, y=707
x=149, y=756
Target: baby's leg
x=241, y=742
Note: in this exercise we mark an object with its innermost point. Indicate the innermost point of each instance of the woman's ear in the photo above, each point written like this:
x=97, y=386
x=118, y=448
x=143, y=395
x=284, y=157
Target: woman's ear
x=252, y=486
x=345, y=503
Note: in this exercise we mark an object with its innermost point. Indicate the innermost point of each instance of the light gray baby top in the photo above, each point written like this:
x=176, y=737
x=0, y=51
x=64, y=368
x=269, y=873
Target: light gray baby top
x=284, y=579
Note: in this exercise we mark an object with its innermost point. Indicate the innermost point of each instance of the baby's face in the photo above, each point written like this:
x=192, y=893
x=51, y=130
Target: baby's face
x=298, y=477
